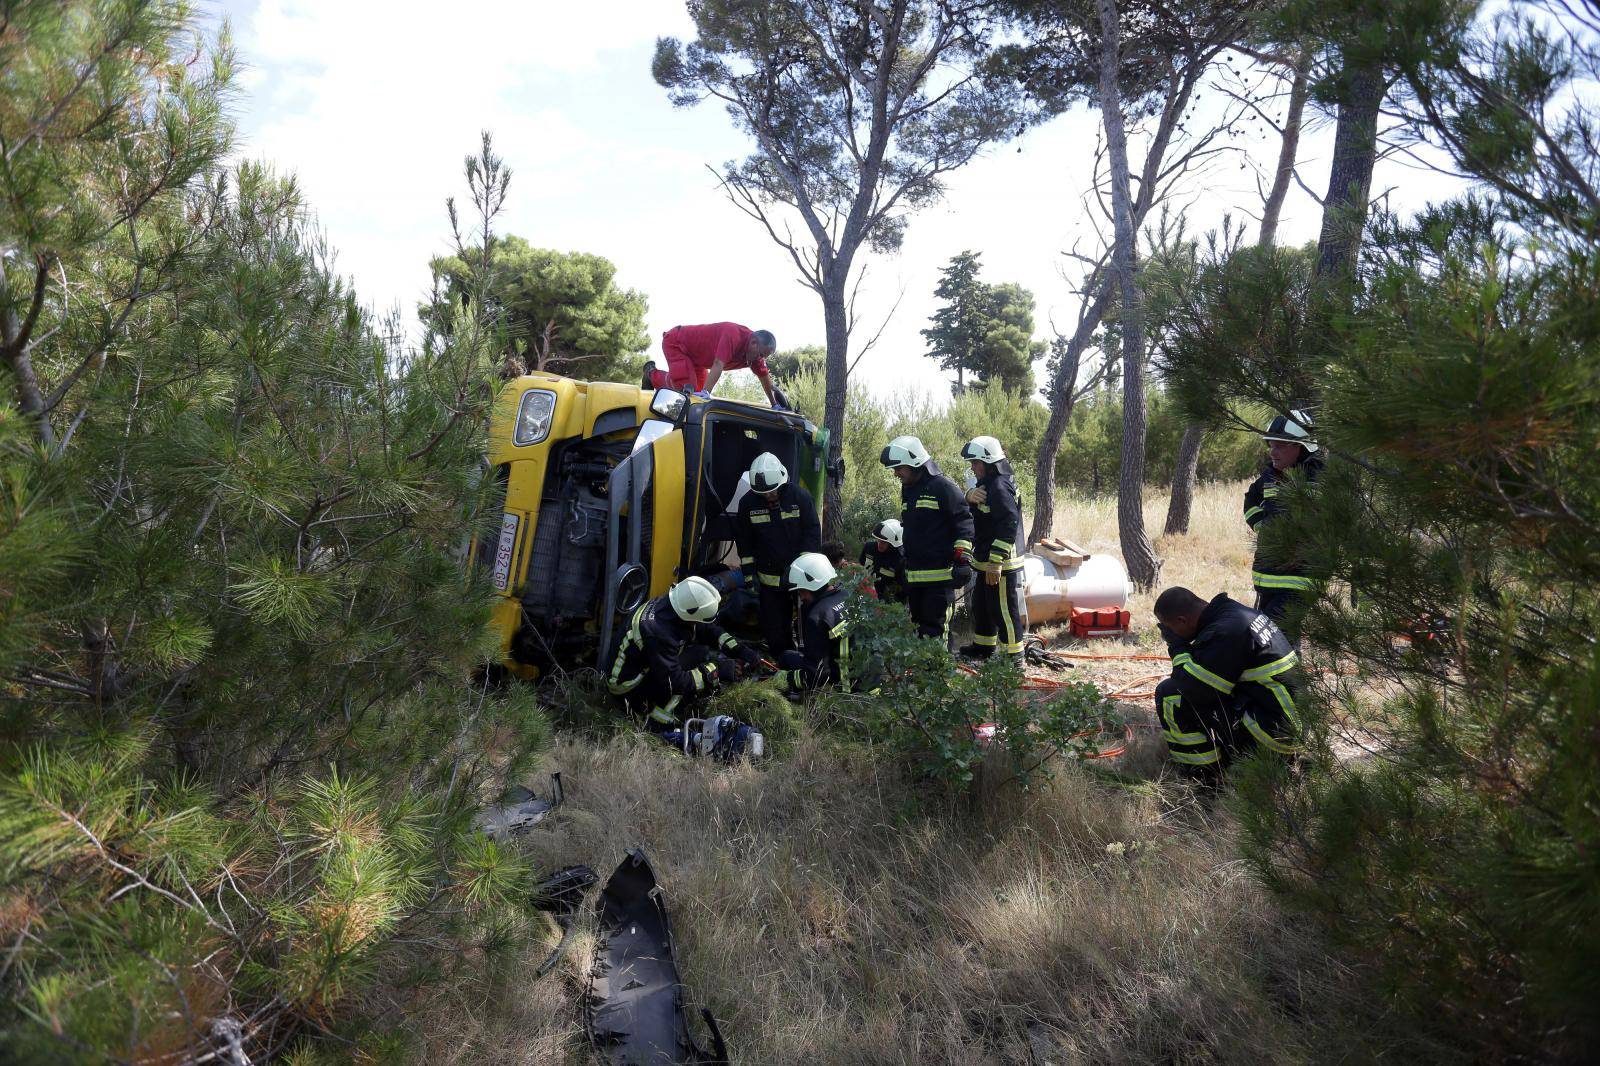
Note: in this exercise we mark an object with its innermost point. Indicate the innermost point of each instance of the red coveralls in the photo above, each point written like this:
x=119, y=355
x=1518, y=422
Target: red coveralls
x=690, y=351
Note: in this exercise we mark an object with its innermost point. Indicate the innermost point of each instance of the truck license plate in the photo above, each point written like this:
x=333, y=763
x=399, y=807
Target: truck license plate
x=502, y=556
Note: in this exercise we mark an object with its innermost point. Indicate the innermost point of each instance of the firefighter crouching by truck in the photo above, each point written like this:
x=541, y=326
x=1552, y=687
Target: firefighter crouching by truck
x=777, y=521
x=885, y=563
x=937, y=534
x=996, y=528
x=1233, y=685
x=673, y=655
x=823, y=657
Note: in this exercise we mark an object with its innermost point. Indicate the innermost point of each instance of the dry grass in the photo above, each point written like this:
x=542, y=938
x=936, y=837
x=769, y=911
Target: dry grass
x=829, y=910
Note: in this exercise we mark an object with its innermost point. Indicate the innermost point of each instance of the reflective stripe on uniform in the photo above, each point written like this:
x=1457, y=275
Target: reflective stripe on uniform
x=983, y=640
x=1280, y=581
x=920, y=576
x=772, y=581
x=1013, y=642
x=932, y=505
x=1253, y=513
x=760, y=518
x=1272, y=669
x=1185, y=660
x=1174, y=732
x=1267, y=740
x=663, y=714
x=1198, y=758
x=964, y=545
x=615, y=683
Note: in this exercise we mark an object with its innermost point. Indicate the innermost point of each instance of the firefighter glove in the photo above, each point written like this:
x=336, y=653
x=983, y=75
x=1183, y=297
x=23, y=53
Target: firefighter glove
x=727, y=671
x=978, y=494
x=780, y=400
x=992, y=577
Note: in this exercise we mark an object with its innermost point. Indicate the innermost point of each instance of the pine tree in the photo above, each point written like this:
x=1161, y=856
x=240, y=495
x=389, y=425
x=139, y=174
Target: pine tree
x=981, y=329
x=238, y=749
x=560, y=311
x=1459, y=400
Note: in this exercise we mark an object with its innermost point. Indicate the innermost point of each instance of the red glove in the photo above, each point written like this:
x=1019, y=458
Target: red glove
x=963, y=556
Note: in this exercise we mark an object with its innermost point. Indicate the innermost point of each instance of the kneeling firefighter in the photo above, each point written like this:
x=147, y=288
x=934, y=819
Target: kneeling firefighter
x=824, y=654
x=673, y=655
x=777, y=521
x=1233, y=684
x=884, y=561
x=937, y=536
x=996, y=528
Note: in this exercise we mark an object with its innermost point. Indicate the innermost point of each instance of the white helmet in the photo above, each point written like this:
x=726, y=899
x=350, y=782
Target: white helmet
x=1295, y=429
x=904, y=451
x=695, y=599
x=767, y=473
x=891, y=532
x=811, y=571
x=984, y=449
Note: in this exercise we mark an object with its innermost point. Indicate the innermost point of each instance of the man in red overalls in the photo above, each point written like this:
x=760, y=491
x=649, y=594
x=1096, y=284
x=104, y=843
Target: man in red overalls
x=697, y=356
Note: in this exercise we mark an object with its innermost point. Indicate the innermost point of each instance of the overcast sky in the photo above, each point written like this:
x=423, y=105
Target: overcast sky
x=374, y=104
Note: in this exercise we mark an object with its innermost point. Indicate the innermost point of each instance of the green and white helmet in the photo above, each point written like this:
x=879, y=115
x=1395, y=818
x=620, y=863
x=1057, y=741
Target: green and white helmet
x=811, y=571
x=891, y=532
x=767, y=473
x=695, y=599
x=904, y=451
x=983, y=449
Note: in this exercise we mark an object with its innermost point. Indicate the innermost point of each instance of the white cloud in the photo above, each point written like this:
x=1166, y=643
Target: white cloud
x=374, y=105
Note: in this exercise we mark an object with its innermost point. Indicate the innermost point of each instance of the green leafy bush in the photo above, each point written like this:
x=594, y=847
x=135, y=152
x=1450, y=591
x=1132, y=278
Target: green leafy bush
x=913, y=696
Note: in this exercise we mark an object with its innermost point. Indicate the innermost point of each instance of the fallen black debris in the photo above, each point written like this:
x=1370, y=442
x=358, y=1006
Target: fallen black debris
x=634, y=1010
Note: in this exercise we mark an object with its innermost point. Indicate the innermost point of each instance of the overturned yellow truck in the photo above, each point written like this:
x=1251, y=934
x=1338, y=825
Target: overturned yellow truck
x=610, y=494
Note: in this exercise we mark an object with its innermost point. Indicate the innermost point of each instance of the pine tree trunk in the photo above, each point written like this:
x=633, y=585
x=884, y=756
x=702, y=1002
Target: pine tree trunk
x=1355, y=150
x=1063, y=397
x=1183, y=479
x=15, y=352
x=837, y=332
x=1143, y=566
x=1288, y=153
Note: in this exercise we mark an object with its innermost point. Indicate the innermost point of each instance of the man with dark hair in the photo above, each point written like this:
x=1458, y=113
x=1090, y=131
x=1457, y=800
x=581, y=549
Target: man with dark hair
x=697, y=355
x=1233, y=684
x=886, y=565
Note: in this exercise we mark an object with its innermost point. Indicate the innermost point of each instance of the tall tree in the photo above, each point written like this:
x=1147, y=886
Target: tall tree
x=959, y=323
x=1460, y=389
x=85, y=221
x=982, y=329
x=858, y=110
x=1166, y=55
x=1185, y=472
x=559, y=311
x=1143, y=566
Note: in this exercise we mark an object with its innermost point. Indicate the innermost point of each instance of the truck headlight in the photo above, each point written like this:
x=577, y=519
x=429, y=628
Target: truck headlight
x=668, y=403
x=534, y=417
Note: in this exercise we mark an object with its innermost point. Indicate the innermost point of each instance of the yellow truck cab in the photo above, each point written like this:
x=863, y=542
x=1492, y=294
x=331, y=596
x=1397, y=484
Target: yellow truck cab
x=611, y=494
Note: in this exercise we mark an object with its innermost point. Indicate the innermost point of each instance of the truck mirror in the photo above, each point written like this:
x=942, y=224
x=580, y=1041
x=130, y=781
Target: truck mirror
x=668, y=403
x=836, y=470
x=633, y=583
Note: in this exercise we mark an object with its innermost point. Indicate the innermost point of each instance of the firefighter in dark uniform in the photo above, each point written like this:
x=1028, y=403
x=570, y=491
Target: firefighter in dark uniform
x=823, y=657
x=884, y=561
x=777, y=521
x=1281, y=581
x=1233, y=684
x=937, y=536
x=996, y=528
x=673, y=654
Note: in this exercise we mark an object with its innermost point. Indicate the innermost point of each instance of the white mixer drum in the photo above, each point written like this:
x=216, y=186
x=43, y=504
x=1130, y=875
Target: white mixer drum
x=1052, y=590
